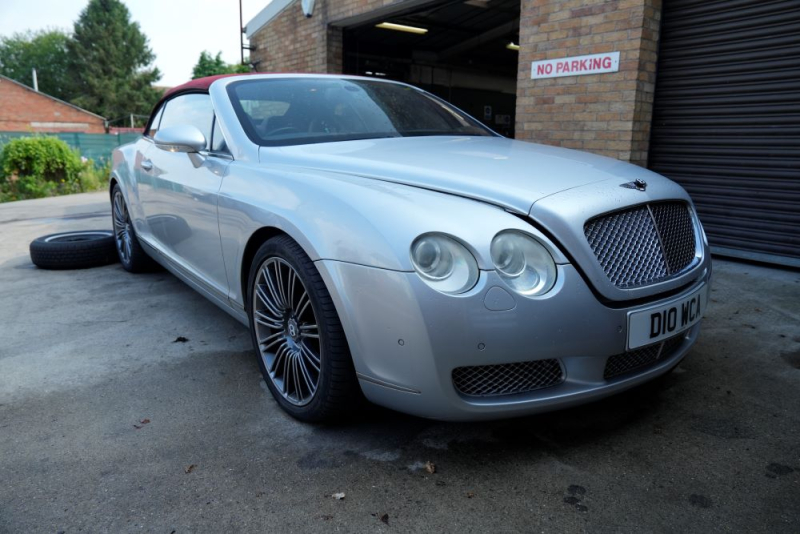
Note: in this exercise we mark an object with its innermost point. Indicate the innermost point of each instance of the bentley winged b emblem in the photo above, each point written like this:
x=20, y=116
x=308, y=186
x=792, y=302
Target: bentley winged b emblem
x=638, y=184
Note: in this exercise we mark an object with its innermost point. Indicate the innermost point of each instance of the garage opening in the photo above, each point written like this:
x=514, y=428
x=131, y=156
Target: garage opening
x=465, y=52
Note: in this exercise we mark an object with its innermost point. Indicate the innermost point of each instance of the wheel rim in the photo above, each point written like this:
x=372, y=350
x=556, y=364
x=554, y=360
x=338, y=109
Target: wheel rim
x=123, y=232
x=286, y=331
x=73, y=237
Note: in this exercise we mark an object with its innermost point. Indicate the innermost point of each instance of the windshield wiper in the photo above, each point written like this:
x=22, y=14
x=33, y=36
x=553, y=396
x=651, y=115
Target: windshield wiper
x=305, y=139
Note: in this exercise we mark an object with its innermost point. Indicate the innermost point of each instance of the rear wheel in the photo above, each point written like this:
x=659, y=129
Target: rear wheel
x=131, y=254
x=302, y=350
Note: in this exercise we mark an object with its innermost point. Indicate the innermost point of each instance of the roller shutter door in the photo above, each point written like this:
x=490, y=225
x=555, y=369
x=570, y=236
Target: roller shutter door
x=726, y=121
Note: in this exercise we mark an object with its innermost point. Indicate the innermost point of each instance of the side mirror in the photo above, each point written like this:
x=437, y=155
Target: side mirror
x=181, y=138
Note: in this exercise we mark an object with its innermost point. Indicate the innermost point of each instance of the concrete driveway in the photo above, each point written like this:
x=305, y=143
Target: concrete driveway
x=107, y=424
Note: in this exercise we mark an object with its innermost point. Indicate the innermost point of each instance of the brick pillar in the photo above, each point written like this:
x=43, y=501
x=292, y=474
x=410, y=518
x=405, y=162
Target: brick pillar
x=293, y=43
x=608, y=114
x=335, y=50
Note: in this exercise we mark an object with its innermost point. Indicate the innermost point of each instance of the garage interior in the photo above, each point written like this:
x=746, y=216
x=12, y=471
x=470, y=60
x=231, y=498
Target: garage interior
x=462, y=51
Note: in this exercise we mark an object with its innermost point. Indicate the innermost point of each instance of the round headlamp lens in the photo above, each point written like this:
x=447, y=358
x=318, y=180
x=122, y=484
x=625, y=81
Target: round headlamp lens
x=523, y=263
x=432, y=259
x=508, y=258
x=444, y=264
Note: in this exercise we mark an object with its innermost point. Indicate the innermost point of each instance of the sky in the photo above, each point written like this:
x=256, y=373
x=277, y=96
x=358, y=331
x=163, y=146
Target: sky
x=178, y=30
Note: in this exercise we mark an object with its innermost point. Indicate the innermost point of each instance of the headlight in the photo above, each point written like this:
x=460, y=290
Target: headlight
x=523, y=263
x=444, y=264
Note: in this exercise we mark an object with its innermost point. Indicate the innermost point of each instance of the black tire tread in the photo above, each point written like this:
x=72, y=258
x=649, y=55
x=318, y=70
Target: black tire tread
x=72, y=254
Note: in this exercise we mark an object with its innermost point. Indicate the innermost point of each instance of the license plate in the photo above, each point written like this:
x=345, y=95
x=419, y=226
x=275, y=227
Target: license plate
x=666, y=320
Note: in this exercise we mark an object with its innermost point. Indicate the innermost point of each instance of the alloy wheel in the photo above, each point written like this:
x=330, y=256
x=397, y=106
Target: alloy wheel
x=287, y=331
x=123, y=231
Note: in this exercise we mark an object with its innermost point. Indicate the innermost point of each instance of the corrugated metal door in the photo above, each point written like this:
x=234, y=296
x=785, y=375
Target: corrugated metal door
x=726, y=122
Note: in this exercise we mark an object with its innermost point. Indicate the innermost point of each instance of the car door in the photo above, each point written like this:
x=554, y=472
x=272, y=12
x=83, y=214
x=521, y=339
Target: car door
x=179, y=193
x=142, y=178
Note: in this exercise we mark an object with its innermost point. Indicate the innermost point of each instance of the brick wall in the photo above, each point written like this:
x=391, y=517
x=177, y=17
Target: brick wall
x=293, y=43
x=21, y=109
x=604, y=113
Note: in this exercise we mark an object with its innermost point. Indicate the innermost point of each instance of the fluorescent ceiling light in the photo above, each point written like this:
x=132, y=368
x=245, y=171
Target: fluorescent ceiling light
x=401, y=28
x=512, y=46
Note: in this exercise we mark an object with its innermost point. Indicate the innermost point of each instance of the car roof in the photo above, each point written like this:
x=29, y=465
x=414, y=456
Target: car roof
x=202, y=85
x=199, y=85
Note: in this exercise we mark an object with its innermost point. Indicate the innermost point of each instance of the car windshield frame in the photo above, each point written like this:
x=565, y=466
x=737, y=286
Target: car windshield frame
x=472, y=128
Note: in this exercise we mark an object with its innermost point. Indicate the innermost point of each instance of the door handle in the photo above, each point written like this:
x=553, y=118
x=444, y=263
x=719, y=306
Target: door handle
x=147, y=165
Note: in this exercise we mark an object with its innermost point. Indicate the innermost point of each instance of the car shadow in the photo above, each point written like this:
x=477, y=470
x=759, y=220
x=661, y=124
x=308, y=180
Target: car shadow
x=403, y=440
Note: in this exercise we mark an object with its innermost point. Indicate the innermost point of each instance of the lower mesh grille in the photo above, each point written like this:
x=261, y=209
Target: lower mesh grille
x=636, y=360
x=507, y=378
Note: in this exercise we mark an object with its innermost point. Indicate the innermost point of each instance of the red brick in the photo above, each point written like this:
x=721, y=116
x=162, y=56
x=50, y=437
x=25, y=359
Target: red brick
x=21, y=106
x=609, y=109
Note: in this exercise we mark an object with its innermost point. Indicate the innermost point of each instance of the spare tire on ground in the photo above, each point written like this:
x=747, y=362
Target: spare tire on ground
x=74, y=250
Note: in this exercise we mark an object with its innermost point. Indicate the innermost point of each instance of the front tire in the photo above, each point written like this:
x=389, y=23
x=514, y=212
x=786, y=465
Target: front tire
x=299, y=340
x=131, y=254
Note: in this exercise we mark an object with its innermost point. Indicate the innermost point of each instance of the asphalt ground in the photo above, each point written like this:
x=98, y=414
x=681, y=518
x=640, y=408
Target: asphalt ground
x=108, y=424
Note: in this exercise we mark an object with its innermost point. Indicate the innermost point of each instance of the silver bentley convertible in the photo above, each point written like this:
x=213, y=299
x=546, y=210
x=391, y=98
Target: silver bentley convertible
x=381, y=244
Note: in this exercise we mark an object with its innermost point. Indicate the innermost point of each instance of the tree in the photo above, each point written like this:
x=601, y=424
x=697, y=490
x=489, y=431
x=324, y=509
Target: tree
x=110, y=62
x=209, y=66
x=46, y=51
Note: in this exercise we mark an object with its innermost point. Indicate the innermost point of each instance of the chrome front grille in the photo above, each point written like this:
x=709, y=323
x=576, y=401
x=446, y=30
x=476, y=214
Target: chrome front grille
x=675, y=225
x=643, y=245
x=640, y=359
x=507, y=378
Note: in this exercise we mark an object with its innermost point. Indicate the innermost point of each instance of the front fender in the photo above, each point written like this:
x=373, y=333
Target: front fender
x=121, y=171
x=349, y=218
x=124, y=162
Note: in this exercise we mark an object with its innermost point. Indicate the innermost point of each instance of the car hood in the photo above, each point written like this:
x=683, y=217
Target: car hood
x=511, y=174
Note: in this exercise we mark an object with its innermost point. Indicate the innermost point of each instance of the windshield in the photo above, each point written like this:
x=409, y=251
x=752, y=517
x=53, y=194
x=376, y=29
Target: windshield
x=295, y=111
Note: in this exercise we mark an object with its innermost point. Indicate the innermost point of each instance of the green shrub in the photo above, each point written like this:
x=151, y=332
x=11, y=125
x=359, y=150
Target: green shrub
x=46, y=158
x=36, y=167
x=33, y=187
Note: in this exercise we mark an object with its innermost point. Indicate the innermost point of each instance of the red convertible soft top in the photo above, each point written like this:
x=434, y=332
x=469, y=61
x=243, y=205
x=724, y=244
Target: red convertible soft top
x=200, y=84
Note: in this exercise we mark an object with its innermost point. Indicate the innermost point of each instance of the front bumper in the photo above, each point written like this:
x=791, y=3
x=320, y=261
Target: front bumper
x=406, y=339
